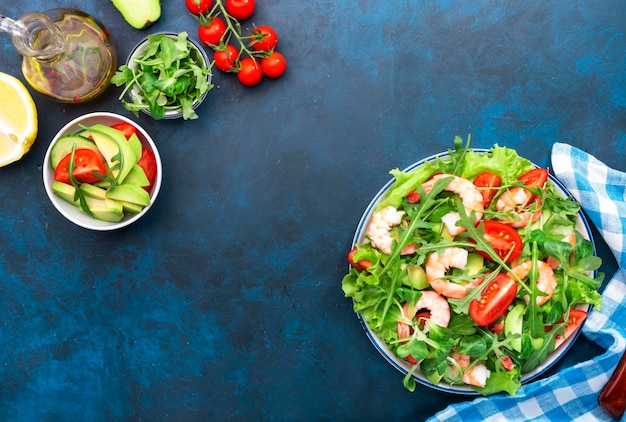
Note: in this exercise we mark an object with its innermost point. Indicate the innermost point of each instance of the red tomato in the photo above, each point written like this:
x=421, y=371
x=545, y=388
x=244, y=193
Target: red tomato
x=576, y=319
x=274, y=65
x=211, y=34
x=239, y=9
x=225, y=59
x=360, y=265
x=148, y=163
x=86, y=162
x=491, y=182
x=534, y=178
x=413, y=197
x=126, y=128
x=263, y=38
x=494, y=300
x=199, y=7
x=250, y=72
x=503, y=238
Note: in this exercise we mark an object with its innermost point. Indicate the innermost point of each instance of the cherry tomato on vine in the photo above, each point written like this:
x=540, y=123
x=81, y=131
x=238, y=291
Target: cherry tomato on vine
x=263, y=38
x=250, y=72
x=274, y=66
x=239, y=9
x=86, y=162
x=225, y=59
x=199, y=7
x=504, y=240
x=488, y=183
x=494, y=300
x=211, y=34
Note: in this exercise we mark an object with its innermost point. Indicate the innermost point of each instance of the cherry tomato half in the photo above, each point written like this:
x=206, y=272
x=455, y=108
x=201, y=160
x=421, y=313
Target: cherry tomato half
x=263, y=38
x=126, y=128
x=225, y=59
x=148, y=163
x=211, y=34
x=360, y=265
x=494, y=300
x=199, y=7
x=575, y=320
x=274, y=65
x=250, y=72
x=534, y=178
x=86, y=162
x=488, y=183
x=240, y=9
x=504, y=240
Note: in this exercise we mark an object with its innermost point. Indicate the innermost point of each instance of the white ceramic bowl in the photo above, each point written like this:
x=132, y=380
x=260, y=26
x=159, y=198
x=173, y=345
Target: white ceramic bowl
x=201, y=57
x=71, y=212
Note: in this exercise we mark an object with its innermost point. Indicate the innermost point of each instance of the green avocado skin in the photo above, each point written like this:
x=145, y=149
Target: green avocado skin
x=139, y=14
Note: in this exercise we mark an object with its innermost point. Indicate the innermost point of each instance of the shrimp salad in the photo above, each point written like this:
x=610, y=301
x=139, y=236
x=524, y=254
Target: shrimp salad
x=471, y=269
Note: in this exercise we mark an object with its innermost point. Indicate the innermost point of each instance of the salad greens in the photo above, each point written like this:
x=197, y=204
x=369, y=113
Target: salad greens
x=168, y=74
x=526, y=330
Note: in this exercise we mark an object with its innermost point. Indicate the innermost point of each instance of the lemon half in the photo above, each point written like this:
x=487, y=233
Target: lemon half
x=18, y=119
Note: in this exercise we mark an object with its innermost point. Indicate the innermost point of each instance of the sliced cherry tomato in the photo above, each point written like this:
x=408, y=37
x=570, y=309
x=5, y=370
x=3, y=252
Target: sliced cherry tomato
x=274, y=65
x=360, y=265
x=225, y=59
x=489, y=184
x=250, y=72
x=534, y=178
x=148, y=163
x=413, y=197
x=576, y=319
x=199, y=7
x=86, y=162
x=126, y=128
x=494, y=300
x=263, y=38
x=504, y=239
x=240, y=9
x=211, y=34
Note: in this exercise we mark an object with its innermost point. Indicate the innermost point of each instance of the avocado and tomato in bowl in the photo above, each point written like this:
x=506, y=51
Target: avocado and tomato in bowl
x=102, y=171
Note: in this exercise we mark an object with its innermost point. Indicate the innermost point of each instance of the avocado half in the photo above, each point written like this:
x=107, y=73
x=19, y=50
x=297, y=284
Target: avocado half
x=139, y=14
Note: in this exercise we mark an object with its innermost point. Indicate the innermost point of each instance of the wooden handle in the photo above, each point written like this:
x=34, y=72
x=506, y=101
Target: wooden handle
x=613, y=397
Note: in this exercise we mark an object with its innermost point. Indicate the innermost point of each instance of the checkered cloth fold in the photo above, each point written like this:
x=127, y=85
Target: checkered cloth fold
x=572, y=394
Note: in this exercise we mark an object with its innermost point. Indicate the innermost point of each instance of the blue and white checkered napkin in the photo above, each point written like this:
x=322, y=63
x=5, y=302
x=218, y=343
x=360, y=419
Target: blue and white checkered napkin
x=572, y=394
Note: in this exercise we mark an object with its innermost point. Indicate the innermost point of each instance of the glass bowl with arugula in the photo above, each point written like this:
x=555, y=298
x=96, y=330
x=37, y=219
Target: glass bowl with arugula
x=166, y=76
x=114, y=177
x=472, y=271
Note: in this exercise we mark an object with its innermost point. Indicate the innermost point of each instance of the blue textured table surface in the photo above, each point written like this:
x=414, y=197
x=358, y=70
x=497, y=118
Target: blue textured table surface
x=225, y=301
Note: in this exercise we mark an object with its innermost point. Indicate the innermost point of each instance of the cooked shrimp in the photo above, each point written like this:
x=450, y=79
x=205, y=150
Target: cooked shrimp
x=438, y=264
x=546, y=281
x=476, y=375
x=516, y=200
x=468, y=192
x=380, y=226
x=431, y=301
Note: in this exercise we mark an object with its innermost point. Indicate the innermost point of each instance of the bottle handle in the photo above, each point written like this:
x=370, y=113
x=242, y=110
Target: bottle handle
x=613, y=396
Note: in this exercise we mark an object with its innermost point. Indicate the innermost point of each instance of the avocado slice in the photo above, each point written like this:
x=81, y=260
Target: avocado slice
x=139, y=13
x=115, y=149
x=135, y=145
x=129, y=193
x=513, y=325
x=102, y=209
x=64, y=145
x=137, y=176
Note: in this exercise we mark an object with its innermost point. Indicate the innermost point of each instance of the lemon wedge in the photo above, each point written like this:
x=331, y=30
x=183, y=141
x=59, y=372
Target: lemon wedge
x=18, y=119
